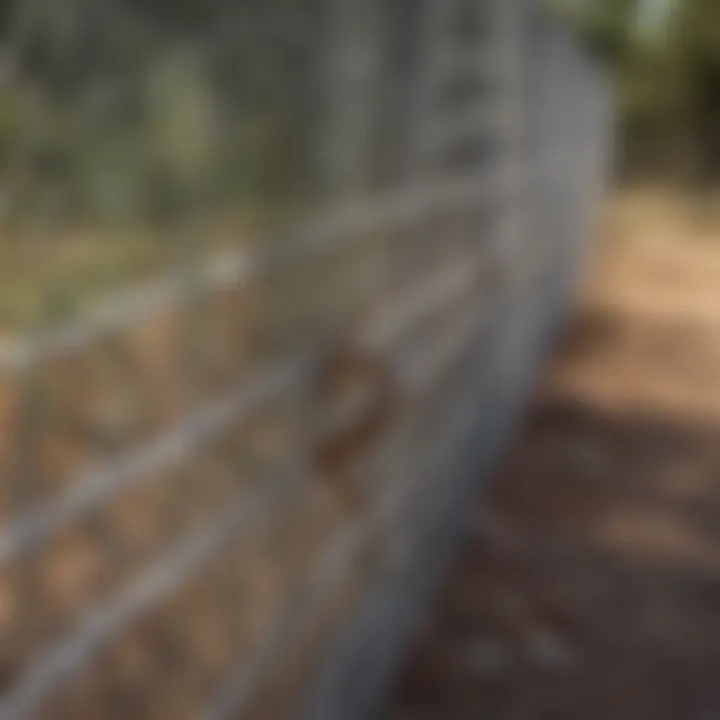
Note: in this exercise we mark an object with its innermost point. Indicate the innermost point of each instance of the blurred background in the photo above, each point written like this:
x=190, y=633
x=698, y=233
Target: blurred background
x=663, y=55
x=124, y=121
x=284, y=284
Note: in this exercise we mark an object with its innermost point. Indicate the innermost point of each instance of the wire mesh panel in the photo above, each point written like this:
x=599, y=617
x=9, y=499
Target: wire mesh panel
x=276, y=277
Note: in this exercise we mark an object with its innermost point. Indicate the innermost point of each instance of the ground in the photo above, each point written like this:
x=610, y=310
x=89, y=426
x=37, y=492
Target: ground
x=590, y=588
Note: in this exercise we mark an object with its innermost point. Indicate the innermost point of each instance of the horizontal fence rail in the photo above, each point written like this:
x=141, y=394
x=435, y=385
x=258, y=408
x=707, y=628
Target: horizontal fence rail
x=279, y=278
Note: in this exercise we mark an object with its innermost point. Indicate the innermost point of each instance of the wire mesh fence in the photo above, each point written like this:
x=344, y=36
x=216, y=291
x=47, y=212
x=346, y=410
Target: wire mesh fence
x=276, y=279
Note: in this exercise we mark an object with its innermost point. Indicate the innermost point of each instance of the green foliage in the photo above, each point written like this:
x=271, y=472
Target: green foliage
x=124, y=123
x=667, y=78
x=127, y=111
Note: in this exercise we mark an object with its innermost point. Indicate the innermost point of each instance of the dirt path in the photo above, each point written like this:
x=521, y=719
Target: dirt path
x=591, y=587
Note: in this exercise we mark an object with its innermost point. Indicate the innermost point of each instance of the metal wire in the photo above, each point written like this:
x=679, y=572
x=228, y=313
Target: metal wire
x=422, y=179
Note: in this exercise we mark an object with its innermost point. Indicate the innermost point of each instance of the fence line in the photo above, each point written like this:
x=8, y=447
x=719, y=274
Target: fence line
x=460, y=148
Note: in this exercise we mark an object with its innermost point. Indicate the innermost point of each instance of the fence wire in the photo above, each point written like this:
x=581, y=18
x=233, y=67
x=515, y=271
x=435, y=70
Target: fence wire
x=276, y=280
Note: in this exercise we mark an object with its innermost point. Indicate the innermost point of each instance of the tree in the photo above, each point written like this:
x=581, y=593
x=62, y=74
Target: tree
x=694, y=45
x=667, y=81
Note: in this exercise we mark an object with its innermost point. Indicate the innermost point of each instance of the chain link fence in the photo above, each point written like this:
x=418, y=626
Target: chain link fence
x=276, y=279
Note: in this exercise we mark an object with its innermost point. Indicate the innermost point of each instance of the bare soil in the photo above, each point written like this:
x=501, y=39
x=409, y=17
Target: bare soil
x=590, y=589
